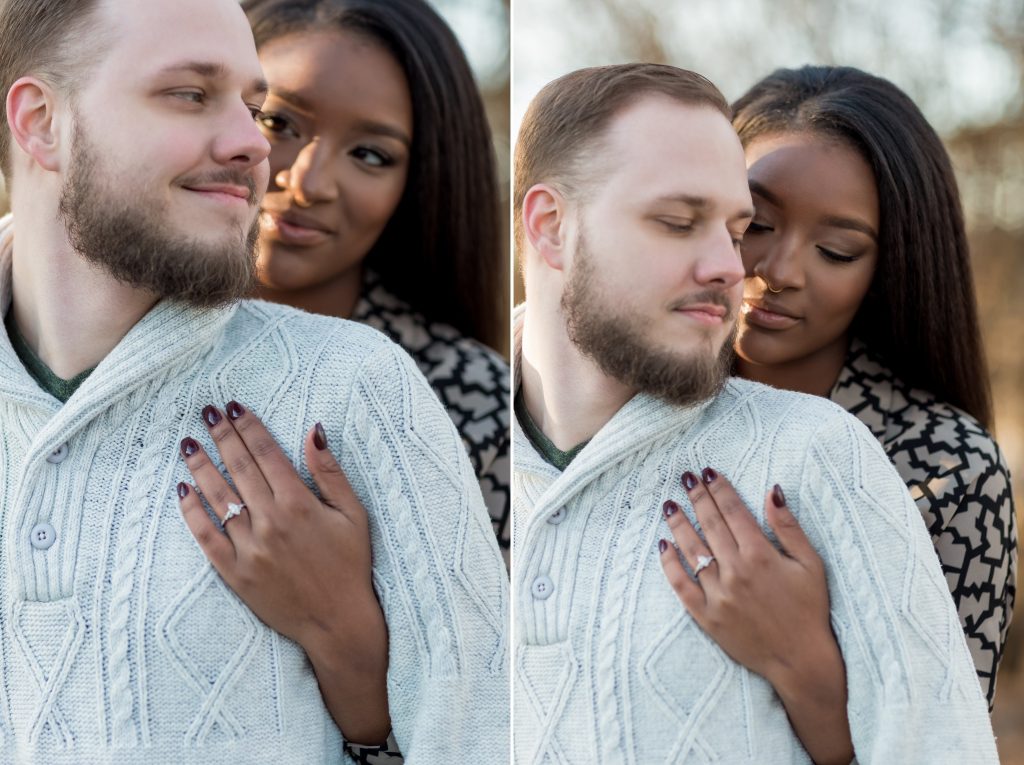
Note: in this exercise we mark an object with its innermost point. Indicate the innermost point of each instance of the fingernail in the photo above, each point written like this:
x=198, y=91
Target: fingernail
x=662, y=545
x=182, y=490
x=708, y=475
x=669, y=507
x=689, y=481
x=234, y=410
x=778, y=498
x=189, y=446
x=210, y=415
x=319, y=437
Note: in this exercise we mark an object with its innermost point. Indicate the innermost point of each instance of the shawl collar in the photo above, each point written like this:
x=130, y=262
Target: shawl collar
x=171, y=334
x=641, y=421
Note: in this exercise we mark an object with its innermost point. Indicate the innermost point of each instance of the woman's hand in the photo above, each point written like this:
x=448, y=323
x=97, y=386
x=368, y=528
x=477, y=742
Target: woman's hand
x=301, y=563
x=768, y=610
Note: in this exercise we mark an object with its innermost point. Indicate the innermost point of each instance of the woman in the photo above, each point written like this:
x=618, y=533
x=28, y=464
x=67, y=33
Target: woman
x=383, y=204
x=859, y=289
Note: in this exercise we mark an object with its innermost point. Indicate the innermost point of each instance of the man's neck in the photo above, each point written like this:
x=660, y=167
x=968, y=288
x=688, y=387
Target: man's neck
x=566, y=394
x=70, y=313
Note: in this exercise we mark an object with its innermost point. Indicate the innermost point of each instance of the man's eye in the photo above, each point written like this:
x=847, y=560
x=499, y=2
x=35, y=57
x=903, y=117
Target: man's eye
x=194, y=96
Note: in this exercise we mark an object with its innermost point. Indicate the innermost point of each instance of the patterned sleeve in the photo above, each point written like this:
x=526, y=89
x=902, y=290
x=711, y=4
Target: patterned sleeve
x=436, y=567
x=913, y=695
x=970, y=515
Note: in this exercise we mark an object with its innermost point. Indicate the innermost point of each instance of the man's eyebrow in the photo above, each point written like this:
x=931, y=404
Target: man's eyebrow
x=213, y=70
x=702, y=203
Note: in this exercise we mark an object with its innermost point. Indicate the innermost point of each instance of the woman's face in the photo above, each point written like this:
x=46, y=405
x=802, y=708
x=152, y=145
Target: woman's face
x=339, y=121
x=811, y=250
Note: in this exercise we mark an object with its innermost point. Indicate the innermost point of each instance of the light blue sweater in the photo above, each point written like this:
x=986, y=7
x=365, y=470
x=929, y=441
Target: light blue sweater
x=120, y=644
x=610, y=668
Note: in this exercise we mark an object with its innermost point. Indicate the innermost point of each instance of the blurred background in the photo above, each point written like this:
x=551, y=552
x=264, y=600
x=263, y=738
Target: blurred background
x=962, y=61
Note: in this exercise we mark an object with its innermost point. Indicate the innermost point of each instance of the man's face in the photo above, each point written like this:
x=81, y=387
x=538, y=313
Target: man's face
x=166, y=165
x=656, y=277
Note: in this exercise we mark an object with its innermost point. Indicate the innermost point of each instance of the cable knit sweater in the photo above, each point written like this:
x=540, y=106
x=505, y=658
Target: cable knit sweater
x=610, y=668
x=119, y=643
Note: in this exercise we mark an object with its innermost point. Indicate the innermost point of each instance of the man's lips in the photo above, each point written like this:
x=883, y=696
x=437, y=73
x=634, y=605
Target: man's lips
x=768, y=315
x=706, y=313
x=225, y=191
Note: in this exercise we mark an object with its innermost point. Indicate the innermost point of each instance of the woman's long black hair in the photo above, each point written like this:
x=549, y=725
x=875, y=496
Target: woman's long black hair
x=441, y=250
x=920, y=314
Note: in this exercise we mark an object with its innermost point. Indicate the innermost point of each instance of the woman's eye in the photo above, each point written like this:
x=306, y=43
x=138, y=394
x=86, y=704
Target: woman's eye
x=372, y=157
x=835, y=256
x=758, y=228
x=276, y=124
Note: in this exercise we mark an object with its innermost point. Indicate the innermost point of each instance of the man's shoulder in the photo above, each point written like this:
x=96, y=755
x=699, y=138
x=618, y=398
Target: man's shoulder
x=326, y=338
x=774, y=407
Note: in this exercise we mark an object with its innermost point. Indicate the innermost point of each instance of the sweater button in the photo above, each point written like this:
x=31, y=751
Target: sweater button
x=542, y=587
x=43, y=536
x=557, y=517
x=58, y=455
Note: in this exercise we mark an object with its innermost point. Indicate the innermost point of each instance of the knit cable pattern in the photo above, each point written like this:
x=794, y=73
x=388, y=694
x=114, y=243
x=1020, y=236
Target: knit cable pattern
x=442, y=660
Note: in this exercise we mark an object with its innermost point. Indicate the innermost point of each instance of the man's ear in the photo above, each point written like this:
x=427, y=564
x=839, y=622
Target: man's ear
x=544, y=210
x=30, y=116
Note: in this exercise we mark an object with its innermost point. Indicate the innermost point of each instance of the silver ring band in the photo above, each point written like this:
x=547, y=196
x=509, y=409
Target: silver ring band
x=703, y=561
x=233, y=510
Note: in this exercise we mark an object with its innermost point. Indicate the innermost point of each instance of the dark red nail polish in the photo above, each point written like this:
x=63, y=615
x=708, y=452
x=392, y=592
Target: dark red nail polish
x=234, y=410
x=662, y=545
x=210, y=415
x=708, y=475
x=689, y=481
x=778, y=498
x=189, y=446
x=319, y=437
x=669, y=508
x=182, y=490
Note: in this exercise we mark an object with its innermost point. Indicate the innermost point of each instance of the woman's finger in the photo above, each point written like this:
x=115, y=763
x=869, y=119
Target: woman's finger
x=277, y=469
x=218, y=494
x=742, y=525
x=335, y=490
x=236, y=457
x=716, y=532
x=787, y=528
x=694, y=549
x=690, y=594
x=212, y=541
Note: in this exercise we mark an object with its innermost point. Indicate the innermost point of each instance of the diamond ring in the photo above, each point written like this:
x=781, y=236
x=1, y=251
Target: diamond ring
x=233, y=510
x=703, y=561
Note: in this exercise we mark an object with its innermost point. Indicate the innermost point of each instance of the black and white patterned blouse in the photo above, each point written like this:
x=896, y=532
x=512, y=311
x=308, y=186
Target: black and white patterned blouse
x=959, y=480
x=471, y=380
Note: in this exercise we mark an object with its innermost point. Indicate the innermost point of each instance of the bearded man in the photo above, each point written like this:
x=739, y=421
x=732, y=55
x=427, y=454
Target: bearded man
x=631, y=201
x=135, y=168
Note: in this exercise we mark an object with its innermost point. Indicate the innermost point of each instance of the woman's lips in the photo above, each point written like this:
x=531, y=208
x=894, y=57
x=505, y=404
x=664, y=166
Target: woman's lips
x=290, y=230
x=765, y=318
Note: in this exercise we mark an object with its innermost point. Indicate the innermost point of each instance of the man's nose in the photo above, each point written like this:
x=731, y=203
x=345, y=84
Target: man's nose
x=241, y=143
x=719, y=264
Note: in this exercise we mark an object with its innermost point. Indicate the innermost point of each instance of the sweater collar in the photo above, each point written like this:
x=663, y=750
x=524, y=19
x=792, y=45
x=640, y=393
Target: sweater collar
x=641, y=421
x=170, y=334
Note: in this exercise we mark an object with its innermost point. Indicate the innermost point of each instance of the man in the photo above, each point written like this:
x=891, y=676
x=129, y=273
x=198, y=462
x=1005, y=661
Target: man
x=135, y=169
x=631, y=200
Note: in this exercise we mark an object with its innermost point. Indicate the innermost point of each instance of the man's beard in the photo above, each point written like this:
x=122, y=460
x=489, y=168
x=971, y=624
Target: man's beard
x=128, y=237
x=616, y=343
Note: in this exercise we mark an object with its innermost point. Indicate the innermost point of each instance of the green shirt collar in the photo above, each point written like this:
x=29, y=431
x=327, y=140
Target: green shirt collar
x=57, y=387
x=551, y=453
